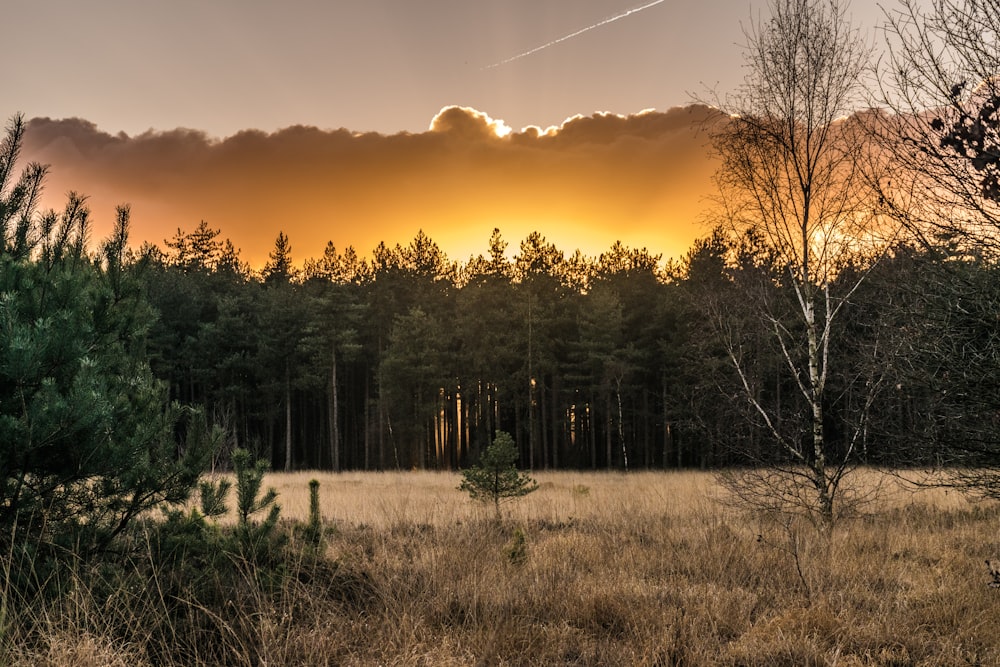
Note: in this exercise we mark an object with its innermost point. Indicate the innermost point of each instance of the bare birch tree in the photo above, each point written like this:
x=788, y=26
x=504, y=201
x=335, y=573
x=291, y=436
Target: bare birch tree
x=793, y=157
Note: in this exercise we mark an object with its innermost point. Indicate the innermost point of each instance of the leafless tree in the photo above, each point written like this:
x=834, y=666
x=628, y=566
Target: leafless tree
x=794, y=153
x=942, y=83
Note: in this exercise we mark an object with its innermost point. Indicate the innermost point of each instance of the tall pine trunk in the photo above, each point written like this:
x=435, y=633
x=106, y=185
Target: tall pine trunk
x=621, y=422
x=288, y=417
x=334, y=412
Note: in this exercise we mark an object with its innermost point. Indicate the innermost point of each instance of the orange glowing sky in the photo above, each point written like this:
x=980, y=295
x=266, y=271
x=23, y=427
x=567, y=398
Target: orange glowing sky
x=267, y=85
x=640, y=179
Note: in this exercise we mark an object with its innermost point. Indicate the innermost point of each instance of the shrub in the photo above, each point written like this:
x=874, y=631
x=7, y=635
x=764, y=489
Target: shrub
x=88, y=437
x=496, y=478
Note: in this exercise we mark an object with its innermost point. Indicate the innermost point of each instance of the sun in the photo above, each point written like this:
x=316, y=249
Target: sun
x=500, y=128
x=469, y=122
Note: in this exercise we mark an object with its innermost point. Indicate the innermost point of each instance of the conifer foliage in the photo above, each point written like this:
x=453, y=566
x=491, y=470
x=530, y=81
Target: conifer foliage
x=496, y=477
x=254, y=537
x=88, y=439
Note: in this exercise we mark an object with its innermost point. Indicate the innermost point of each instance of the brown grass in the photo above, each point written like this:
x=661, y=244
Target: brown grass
x=643, y=569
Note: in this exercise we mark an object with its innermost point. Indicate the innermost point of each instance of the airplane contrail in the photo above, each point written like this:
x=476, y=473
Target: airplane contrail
x=606, y=21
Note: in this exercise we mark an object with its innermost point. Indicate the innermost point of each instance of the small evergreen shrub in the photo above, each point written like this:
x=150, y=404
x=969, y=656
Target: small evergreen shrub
x=517, y=549
x=496, y=478
x=255, y=541
x=313, y=532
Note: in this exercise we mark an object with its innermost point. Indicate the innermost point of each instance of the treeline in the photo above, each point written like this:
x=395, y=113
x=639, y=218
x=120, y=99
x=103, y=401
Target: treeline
x=407, y=360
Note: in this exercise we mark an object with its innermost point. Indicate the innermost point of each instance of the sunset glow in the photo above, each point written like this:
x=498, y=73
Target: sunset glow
x=594, y=180
x=359, y=123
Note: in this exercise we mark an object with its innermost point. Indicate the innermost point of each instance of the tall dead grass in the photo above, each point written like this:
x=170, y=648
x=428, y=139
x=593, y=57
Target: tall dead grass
x=638, y=569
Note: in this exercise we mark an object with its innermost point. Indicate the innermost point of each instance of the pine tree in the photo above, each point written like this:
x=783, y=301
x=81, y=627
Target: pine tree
x=496, y=478
x=279, y=268
x=87, y=436
x=255, y=540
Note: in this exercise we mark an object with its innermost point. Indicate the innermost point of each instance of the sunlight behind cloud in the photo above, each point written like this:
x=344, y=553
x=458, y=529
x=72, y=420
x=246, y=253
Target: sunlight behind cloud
x=501, y=128
x=468, y=122
x=641, y=179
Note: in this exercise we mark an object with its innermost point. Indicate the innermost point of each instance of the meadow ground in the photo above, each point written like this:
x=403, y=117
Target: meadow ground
x=600, y=569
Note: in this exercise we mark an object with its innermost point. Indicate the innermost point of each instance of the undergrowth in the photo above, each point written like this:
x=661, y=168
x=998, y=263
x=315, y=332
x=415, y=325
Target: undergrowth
x=640, y=574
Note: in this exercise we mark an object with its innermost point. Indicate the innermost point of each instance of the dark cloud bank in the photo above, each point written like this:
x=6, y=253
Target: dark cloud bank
x=595, y=179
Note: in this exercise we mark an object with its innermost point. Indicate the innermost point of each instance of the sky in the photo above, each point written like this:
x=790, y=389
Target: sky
x=358, y=121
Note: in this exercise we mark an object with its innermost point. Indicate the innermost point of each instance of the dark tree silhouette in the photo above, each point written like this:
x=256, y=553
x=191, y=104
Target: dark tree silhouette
x=941, y=83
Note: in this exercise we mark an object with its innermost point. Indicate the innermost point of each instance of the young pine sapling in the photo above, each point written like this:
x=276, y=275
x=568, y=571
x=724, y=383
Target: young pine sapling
x=496, y=477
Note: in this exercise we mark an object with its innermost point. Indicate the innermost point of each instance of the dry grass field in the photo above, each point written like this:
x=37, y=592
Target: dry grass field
x=592, y=569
